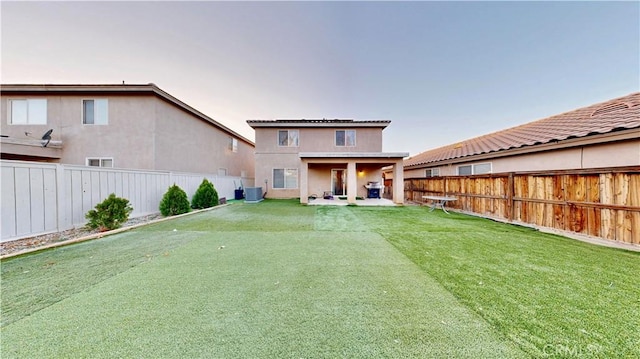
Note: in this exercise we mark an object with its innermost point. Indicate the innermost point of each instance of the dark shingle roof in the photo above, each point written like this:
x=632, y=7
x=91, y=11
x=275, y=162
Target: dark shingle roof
x=618, y=114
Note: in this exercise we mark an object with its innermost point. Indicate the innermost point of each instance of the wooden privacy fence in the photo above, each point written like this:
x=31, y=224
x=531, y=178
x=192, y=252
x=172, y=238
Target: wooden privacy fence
x=602, y=203
x=41, y=198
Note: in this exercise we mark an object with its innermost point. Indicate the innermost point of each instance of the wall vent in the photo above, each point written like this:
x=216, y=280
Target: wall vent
x=610, y=108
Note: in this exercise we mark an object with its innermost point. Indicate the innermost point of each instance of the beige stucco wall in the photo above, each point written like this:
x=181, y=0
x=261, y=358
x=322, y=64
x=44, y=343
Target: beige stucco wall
x=613, y=154
x=143, y=132
x=319, y=140
x=265, y=163
x=125, y=138
x=193, y=145
x=269, y=155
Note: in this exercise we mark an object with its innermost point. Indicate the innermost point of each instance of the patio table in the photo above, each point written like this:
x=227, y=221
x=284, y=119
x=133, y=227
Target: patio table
x=439, y=201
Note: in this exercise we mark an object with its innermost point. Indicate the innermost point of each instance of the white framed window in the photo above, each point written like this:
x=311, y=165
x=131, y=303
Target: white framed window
x=465, y=170
x=476, y=169
x=345, y=138
x=482, y=168
x=95, y=112
x=28, y=112
x=233, y=144
x=285, y=178
x=288, y=138
x=100, y=162
x=432, y=172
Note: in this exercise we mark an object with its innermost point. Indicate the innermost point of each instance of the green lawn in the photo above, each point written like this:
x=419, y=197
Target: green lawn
x=278, y=279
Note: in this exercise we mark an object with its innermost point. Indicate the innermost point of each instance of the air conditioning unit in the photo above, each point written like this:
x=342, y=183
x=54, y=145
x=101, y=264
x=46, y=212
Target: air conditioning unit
x=252, y=194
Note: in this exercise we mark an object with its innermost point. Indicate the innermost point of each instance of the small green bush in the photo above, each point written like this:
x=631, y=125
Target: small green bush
x=109, y=214
x=206, y=196
x=174, y=202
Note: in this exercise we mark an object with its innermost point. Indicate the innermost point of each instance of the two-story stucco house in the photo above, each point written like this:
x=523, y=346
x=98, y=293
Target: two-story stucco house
x=121, y=126
x=306, y=158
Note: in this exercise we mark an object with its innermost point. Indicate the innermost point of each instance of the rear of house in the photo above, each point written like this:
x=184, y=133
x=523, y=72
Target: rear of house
x=308, y=158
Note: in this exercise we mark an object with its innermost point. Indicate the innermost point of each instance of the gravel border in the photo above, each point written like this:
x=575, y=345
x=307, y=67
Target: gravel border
x=56, y=239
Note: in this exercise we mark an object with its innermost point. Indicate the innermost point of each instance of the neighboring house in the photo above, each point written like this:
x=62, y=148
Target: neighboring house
x=602, y=135
x=121, y=126
x=304, y=158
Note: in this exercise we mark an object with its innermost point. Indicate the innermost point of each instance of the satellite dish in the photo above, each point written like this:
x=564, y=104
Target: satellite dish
x=46, y=137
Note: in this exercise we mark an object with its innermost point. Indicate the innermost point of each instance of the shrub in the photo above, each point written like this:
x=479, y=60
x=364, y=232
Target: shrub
x=109, y=214
x=174, y=202
x=206, y=196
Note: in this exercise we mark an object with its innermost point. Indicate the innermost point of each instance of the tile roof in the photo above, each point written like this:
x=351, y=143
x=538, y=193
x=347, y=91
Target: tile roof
x=617, y=114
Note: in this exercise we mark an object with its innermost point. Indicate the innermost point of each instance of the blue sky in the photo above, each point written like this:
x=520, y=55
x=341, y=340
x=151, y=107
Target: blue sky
x=442, y=72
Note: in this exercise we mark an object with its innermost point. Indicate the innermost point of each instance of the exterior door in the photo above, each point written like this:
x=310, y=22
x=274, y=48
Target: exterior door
x=338, y=182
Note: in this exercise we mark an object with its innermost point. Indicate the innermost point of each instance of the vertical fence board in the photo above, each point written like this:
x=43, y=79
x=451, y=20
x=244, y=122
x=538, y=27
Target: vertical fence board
x=530, y=193
x=634, y=200
x=559, y=215
x=593, y=196
x=539, y=194
x=548, y=207
x=575, y=191
x=519, y=209
x=621, y=196
x=607, y=222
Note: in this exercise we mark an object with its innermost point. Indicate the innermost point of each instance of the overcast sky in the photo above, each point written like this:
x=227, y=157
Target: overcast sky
x=442, y=72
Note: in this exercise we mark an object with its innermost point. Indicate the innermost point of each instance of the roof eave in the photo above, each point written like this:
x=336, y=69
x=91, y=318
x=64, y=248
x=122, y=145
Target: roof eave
x=620, y=135
x=318, y=124
x=124, y=89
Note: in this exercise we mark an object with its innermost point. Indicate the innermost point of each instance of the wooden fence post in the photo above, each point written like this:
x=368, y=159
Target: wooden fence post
x=510, y=204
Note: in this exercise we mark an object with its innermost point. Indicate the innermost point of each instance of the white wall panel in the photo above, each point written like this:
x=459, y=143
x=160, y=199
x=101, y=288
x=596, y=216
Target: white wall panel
x=50, y=199
x=36, y=190
x=23, y=201
x=8, y=201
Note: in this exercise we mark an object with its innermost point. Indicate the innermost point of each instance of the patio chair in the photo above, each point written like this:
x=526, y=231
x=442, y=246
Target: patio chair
x=327, y=195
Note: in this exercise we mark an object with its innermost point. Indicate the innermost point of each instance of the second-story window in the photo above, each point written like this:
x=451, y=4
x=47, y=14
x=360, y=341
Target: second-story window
x=95, y=112
x=28, y=112
x=233, y=144
x=288, y=138
x=346, y=138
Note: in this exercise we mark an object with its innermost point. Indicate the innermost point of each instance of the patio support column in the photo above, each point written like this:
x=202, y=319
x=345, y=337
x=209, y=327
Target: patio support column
x=304, y=182
x=398, y=182
x=352, y=182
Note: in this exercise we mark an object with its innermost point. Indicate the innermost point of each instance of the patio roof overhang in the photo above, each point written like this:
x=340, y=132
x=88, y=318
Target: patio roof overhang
x=352, y=160
x=354, y=155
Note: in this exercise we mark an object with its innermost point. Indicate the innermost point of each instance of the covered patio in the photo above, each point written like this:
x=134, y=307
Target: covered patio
x=337, y=201
x=345, y=176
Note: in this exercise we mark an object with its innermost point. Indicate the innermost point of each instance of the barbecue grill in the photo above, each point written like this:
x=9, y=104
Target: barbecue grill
x=373, y=189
